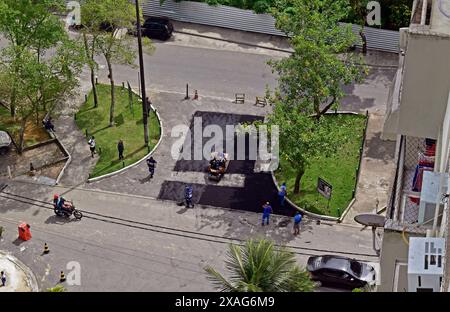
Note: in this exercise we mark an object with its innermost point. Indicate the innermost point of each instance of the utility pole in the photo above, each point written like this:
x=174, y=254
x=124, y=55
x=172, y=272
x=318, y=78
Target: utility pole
x=141, y=67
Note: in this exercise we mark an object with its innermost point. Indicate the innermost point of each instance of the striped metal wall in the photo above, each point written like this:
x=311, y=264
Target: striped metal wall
x=221, y=16
x=233, y=18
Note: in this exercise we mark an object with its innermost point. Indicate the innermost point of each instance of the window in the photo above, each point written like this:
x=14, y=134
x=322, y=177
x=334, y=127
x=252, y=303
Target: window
x=356, y=267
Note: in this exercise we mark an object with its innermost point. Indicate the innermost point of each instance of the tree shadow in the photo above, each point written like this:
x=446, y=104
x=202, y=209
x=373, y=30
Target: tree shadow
x=98, y=130
x=119, y=120
x=117, y=161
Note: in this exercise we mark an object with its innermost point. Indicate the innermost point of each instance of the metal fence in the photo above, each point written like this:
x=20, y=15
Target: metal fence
x=405, y=198
x=245, y=20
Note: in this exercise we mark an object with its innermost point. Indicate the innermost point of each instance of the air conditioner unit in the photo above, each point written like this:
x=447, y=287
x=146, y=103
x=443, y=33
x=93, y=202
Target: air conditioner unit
x=425, y=264
x=431, y=195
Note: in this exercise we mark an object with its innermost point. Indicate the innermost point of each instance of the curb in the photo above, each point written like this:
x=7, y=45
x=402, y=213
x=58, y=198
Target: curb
x=277, y=49
x=31, y=279
x=142, y=159
x=232, y=41
x=315, y=215
x=58, y=142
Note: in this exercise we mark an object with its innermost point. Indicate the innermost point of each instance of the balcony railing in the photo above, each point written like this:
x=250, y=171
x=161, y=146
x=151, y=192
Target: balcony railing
x=415, y=156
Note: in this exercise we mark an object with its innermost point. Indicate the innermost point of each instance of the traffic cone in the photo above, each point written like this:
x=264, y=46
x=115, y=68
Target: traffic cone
x=62, y=277
x=196, y=95
x=46, y=249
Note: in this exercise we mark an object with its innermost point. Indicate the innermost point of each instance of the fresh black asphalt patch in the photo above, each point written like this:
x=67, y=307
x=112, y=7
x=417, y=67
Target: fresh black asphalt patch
x=258, y=187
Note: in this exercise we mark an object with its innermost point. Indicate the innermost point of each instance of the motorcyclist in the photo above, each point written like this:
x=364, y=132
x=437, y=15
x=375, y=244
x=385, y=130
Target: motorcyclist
x=60, y=203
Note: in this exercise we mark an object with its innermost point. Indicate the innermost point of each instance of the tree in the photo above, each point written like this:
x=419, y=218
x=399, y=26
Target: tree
x=29, y=25
x=259, y=266
x=41, y=83
x=312, y=77
x=116, y=16
x=92, y=15
x=303, y=138
x=359, y=10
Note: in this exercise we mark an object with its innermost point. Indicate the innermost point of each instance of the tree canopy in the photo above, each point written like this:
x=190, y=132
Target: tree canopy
x=260, y=266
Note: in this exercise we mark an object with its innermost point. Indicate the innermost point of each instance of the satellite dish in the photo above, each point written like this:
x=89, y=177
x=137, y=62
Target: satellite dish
x=372, y=220
x=444, y=7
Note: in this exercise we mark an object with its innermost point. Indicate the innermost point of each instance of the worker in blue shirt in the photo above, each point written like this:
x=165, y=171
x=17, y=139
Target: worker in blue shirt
x=297, y=220
x=188, y=194
x=282, y=194
x=267, y=209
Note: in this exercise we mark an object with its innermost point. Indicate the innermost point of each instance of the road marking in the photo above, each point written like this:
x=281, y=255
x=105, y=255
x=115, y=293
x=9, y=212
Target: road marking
x=228, y=180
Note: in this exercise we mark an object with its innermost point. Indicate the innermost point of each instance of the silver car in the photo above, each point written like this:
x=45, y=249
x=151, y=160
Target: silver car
x=5, y=142
x=341, y=271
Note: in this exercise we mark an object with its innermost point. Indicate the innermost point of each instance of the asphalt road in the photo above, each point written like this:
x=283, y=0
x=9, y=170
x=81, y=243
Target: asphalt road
x=127, y=243
x=212, y=72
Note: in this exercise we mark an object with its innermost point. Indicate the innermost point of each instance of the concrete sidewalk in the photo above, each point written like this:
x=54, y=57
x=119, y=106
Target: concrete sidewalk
x=19, y=278
x=77, y=172
x=377, y=171
x=211, y=37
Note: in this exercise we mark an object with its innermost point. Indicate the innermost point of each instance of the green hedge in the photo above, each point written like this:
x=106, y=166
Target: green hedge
x=394, y=13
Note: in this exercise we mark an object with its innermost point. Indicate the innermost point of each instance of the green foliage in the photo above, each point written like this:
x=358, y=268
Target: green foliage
x=259, y=266
x=31, y=83
x=58, y=288
x=31, y=24
x=313, y=76
x=129, y=129
x=118, y=15
x=395, y=13
x=337, y=168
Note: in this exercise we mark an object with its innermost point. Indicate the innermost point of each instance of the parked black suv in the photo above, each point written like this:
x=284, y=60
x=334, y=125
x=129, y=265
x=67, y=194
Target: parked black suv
x=158, y=28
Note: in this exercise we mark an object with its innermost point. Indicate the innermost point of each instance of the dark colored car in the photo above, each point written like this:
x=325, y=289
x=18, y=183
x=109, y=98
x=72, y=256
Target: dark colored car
x=341, y=271
x=158, y=28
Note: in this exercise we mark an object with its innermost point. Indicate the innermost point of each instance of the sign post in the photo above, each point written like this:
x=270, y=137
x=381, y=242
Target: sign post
x=325, y=189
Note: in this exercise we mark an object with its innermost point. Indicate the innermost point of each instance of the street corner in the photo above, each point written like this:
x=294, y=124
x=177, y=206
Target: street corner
x=16, y=277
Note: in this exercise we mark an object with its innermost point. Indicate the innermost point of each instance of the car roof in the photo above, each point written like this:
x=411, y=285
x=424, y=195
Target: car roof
x=335, y=262
x=4, y=138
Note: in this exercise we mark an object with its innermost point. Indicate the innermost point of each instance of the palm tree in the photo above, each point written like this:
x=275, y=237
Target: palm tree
x=58, y=288
x=259, y=266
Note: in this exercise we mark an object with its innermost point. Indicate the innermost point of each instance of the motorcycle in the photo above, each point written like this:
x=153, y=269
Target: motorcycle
x=67, y=212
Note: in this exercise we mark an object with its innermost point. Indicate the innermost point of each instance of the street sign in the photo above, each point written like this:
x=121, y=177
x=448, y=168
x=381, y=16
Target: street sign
x=324, y=188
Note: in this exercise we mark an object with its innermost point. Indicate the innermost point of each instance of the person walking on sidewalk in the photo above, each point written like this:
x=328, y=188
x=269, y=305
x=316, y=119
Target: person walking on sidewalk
x=120, y=148
x=3, y=278
x=267, y=209
x=151, y=163
x=297, y=220
x=282, y=194
x=91, y=143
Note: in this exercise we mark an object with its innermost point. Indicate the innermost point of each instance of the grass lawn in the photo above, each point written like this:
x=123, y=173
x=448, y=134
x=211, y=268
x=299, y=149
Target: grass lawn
x=338, y=170
x=34, y=133
x=128, y=128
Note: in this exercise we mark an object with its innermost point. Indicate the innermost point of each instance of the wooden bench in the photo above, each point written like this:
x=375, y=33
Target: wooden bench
x=240, y=98
x=262, y=101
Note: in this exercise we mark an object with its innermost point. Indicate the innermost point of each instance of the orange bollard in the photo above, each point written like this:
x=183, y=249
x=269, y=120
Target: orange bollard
x=24, y=231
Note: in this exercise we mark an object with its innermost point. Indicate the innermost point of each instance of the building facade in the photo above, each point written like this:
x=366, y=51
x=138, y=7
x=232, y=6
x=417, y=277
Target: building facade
x=418, y=118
